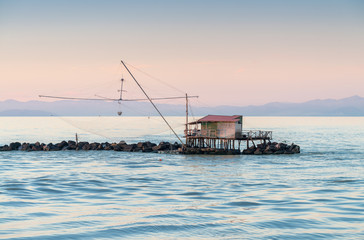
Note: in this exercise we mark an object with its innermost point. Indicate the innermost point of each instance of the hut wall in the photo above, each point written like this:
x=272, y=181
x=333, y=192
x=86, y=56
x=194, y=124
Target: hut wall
x=226, y=129
x=221, y=129
x=238, y=129
x=208, y=129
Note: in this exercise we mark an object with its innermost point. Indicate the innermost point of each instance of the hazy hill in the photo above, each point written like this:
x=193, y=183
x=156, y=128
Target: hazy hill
x=352, y=106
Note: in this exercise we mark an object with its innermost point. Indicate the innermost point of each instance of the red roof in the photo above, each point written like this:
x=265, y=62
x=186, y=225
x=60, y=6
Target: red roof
x=219, y=118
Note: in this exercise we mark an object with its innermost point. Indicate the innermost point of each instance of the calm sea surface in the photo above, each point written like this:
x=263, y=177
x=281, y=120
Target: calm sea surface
x=318, y=194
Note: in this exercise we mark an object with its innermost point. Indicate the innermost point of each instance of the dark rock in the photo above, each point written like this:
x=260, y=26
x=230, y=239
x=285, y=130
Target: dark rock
x=261, y=146
x=282, y=146
x=162, y=146
x=15, y=145
x=24, y=147
x=137, y=149
x=296, y=149
x=120, y=146
x=122, y=143
x=149, y=144
x=48, y=147
x=273, y=147
x=267, y=151
x=248, y=151
x=288, y=152
x=280, y=151
x=107, y=146
x=70, y=147
x=117, y=147
x=80, y=145
x=86, y=146
x=36, y=147
x=130, y=148
x=94, y=145
x=258, y=151
x=175, y=146
x=61, y=145
x=147, y=149
x=141, y=145
x=54, y=147
x=155, y=148
x=5, y=148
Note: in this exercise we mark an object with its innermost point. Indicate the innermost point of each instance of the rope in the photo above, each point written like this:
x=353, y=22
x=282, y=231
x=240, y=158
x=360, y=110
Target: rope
x=155, y=78
x=192, y=114
x=152, y=103
x=81, y=128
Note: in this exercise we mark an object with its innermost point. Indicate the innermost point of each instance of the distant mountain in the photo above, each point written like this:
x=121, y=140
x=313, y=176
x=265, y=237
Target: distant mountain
x=24, y=112
x=352, y=106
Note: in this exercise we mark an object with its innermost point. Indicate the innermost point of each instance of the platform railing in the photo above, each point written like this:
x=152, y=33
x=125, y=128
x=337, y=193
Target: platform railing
x=257, y=134
x=213, y=133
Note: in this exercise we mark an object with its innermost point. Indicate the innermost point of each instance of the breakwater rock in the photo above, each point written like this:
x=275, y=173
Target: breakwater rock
x=272, y=148
x=162, y=147
x=72, y=145
x=211, y=151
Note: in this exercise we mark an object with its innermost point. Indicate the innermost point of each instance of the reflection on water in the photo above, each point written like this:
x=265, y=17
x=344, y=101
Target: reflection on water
x=317, y=194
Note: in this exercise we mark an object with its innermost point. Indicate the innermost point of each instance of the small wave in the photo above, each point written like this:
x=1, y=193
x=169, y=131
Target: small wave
x=94, y=190
x=143, y=179
x=325, y=191
x=344, y=181
x=165, y=216
x=16, y=203
x=51, y=190
x=308, y=236
x=243, y=204
x=192, y=193
x=347, y=219
x=41, y=214
x=292, y=209
x=323, y=200
x=291, y=223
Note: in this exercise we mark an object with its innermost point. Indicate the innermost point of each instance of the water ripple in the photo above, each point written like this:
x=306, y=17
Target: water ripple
x=115, y=195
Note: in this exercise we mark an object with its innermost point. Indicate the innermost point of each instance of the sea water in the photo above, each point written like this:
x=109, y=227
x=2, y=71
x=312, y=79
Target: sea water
x=318, y=194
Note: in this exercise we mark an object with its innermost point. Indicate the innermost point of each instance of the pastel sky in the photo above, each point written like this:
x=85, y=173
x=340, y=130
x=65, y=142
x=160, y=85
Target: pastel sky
x=227, y=52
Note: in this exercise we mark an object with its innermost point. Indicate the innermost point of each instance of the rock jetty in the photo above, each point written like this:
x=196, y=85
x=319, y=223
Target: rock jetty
x=72, y=145
x=272, y=148
x=211, y=151
x=162, y=147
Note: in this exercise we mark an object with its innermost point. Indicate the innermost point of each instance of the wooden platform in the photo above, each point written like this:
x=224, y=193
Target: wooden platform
x=211, y=141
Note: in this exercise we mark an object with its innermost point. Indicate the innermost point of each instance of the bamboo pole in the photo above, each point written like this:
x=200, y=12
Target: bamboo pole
x=150, y=100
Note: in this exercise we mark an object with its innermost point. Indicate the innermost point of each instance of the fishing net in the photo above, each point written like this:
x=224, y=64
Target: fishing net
x=125, y=119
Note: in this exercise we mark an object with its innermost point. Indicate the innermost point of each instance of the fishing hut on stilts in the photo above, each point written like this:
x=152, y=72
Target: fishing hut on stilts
x=217, y=134
x=212, y=134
